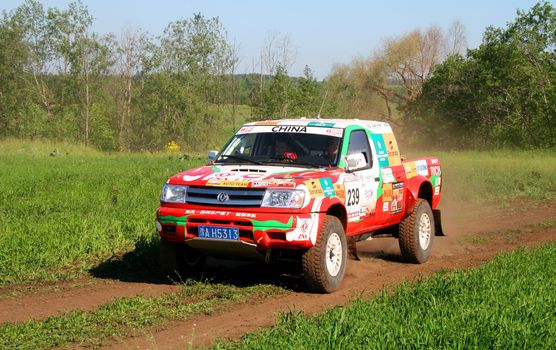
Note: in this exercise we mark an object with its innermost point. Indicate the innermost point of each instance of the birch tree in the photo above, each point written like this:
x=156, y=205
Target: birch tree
x=131, y=50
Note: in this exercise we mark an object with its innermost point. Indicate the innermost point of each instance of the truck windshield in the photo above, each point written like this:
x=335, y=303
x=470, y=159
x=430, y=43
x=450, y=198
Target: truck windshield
x=271, y=147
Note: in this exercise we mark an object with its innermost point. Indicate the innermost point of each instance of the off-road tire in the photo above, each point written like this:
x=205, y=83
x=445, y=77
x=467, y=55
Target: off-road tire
x=322, y=276
x=167, y=261
x=190, y=262
x=417, y=233
x=180, y=260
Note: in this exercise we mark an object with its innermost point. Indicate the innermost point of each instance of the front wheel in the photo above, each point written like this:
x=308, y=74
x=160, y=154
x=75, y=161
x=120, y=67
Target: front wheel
x=324, y=265
x=167, y=257
x=190, y=261
x=180, y=259
x=417, y=233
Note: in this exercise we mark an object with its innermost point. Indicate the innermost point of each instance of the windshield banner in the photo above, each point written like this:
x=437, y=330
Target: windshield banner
x=293, y=129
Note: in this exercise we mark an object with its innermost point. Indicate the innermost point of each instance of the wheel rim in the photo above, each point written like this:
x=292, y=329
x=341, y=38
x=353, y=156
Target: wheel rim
x=333, y=254
x=425, y=231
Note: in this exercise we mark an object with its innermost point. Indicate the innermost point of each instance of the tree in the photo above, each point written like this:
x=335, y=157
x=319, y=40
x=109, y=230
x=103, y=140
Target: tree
x=85, y=57
x=233, y=64
x=14, y=55
x=93, y=58
x=446, y=113
x=456, y=39
x=59, y=79
x=276, y=53
x=278, y=97
x=195, y=55
x=68, y=30
x=131, y=50
x=33, y=20
x=384, y=84
x=502, y=92
x=307, y=102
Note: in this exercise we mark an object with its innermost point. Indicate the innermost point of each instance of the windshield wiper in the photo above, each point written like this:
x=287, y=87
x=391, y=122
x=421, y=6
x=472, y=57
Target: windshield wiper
x=306, y=162
x=273, y=159
x=287, y=160
x=245, y=159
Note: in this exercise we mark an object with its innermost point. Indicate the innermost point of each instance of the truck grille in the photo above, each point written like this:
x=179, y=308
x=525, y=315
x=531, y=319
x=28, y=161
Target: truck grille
x=214, y=196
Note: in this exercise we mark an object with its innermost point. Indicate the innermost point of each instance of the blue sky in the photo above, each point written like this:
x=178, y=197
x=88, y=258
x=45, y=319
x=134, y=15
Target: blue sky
x=323, y=32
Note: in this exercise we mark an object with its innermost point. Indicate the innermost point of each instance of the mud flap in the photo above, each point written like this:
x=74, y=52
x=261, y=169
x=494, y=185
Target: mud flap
x=437, y=223
x=352, y=248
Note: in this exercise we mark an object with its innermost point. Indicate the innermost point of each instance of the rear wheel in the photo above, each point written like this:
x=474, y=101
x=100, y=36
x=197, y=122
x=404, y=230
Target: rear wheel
x=324, y=264
x=417, y=233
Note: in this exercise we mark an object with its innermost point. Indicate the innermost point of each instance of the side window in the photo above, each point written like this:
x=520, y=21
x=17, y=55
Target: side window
x=359, y=143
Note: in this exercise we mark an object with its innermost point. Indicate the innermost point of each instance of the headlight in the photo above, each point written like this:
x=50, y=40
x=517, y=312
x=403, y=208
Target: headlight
x=173, y=194
x=283, y=199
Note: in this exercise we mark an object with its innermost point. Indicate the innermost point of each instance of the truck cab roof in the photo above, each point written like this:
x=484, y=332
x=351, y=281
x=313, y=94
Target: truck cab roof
x=376, y=127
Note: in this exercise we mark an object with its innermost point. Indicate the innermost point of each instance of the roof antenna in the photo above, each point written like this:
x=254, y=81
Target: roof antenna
x=322, y=104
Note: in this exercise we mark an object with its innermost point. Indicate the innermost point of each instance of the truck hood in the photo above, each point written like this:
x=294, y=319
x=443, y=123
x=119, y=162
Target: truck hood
x=249, y=176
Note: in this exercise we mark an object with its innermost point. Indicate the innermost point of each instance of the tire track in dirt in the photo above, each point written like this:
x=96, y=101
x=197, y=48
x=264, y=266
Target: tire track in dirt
x=86, y=295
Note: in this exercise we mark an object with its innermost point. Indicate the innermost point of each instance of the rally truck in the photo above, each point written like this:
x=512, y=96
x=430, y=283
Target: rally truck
x=301, y=190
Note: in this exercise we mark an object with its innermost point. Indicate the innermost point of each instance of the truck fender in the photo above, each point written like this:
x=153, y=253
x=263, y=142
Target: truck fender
x=420, y=187
x=424, y=191
x=327, y=206
x=335, y=207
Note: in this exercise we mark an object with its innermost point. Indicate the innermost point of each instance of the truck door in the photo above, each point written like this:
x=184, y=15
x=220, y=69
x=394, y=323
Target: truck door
x=361, y=185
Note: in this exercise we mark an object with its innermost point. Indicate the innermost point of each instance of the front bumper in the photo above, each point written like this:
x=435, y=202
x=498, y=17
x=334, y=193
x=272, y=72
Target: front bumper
x=258, y=231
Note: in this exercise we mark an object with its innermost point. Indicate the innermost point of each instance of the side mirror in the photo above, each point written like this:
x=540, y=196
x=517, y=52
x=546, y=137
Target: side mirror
x=212, y=156
x=356, y=161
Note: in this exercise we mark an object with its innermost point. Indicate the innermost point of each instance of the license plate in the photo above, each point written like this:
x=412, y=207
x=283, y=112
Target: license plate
x=218, y=232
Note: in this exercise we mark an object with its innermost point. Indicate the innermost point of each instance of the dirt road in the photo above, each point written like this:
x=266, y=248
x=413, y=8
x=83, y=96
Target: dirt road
x=474, y=236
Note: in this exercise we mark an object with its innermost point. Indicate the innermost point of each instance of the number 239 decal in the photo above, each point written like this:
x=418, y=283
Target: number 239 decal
x=353, y=196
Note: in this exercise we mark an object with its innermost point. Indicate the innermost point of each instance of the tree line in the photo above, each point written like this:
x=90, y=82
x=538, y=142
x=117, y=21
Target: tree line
x=502, y=93
x=60, y=80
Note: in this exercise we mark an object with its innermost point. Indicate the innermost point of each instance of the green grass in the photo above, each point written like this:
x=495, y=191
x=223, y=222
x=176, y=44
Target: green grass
x=513, y=235
x=125, y=316
x=477, y=239
x=475, y=176
x=43, y=148
x=60, y=216
x=508, y=303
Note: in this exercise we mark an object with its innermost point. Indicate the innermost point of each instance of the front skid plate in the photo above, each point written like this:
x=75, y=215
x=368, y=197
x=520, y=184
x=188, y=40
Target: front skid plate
x=226, y=248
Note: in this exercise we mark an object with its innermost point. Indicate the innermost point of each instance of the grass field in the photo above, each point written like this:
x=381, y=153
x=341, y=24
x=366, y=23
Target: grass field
x=474, y=309
x=62, y=216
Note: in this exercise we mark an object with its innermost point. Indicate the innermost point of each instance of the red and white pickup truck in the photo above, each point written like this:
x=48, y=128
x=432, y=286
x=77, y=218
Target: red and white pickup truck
x=301, y=189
